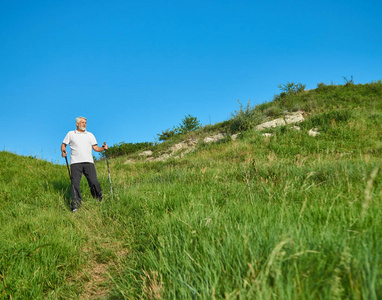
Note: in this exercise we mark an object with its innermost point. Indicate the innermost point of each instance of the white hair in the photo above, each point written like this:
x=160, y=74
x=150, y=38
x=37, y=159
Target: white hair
x=79, y=118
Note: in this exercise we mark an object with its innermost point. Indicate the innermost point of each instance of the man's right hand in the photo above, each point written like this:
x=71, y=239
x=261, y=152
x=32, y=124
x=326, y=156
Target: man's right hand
x=63, y=154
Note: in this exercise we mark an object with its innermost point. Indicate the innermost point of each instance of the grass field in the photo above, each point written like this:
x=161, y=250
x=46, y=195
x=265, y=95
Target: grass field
x=289, y=216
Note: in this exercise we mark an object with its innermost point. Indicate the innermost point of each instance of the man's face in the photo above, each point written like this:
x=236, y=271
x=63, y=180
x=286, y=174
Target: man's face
x=82, y=125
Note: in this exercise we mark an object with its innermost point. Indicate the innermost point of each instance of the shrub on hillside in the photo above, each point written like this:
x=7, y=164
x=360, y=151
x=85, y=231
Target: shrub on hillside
x=245, y=118
x=348, y=82
x=291, y=87
x=242, y=118
x=188, y=124
x=166, y=134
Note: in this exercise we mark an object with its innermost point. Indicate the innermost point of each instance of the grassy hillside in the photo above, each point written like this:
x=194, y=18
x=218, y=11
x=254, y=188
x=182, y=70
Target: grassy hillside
x=290, y=216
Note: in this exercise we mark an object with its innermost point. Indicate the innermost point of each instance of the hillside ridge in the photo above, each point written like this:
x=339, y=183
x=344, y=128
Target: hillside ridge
x=189, y=145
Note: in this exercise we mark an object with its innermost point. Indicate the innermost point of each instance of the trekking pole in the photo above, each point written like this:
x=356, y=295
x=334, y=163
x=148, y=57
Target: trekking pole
x=108, y=170
x=67, y=165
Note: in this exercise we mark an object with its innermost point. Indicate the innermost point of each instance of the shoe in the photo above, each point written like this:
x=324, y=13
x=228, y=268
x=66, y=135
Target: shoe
x=74, y=210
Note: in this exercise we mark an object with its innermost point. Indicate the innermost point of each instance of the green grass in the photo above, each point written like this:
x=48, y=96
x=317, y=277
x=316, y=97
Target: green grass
x=260, y=227
x=286, y=217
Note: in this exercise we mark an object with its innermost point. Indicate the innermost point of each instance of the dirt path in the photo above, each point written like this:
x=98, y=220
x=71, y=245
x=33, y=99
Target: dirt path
x=103, y=253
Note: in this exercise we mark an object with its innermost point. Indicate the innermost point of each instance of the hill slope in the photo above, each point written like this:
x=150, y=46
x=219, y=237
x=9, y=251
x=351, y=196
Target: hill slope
x=287, y=216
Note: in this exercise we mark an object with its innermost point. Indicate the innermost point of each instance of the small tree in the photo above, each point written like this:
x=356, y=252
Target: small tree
x=166, y=134
x=348, y=82
x=291, y=87
x=189, y=123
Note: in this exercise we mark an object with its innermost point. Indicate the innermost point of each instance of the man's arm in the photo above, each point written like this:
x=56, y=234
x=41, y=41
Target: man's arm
x=63, y=150
x=100, y=149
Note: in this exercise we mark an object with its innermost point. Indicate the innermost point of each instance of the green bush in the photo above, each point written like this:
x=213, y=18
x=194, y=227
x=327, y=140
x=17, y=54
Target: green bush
x=245, y=118
x=166, y=134
x=188, y=124
x=291, y=87
x=348, y=82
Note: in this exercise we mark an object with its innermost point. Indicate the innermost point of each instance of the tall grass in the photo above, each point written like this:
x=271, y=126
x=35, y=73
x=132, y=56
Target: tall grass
x=255, y=227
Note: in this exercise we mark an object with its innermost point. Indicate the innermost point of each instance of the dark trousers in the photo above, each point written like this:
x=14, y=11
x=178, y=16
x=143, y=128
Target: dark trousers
x=88, y=169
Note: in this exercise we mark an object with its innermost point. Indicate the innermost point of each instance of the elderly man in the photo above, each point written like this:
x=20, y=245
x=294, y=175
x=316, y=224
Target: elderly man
x=81, y=144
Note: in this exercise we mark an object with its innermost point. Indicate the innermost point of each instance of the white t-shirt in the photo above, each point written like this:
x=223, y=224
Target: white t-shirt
x=80, y=146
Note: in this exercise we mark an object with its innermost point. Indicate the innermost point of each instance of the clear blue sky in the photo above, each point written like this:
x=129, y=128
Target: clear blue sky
x=135, y=68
